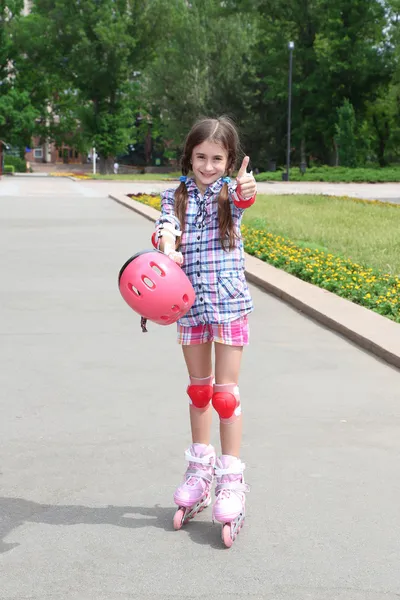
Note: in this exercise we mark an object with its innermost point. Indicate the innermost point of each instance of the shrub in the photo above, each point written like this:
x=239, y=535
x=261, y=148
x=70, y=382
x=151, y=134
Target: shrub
x=337, y=175
x=15, y=161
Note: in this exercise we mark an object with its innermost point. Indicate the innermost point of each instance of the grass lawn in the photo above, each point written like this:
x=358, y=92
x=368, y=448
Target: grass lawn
x=364, y=232
x=348, y=247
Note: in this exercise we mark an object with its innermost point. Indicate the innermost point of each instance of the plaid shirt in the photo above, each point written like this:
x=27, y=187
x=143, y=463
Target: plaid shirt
x=217, y=275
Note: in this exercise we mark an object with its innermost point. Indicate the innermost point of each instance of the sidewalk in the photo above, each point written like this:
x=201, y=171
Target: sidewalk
x=94, y=425
x=389, y=192
x=385, y=192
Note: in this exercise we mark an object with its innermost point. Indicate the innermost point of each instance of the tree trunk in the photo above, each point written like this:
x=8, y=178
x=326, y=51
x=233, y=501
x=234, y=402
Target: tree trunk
x=336, y=148
x=106, y=165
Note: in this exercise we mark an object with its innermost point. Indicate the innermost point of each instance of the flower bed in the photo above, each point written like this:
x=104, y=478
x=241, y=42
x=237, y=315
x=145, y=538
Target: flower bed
x=74, y=174
x=365, y=286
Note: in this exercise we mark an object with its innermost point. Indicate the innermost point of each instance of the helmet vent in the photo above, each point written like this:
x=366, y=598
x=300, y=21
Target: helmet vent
x=157, y=269
x=148, y=282
x=185, y=298
x=134, y=289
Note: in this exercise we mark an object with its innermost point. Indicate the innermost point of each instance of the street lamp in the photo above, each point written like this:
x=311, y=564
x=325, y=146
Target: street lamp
x=291, y=48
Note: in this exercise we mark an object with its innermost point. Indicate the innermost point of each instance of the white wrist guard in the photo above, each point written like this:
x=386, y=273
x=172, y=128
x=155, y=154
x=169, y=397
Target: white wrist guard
x=168, y=233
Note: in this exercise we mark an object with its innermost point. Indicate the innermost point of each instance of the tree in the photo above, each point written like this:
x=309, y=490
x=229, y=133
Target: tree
x=98, y=52
x=17, y=115
x=340, y=52
x=200, y=68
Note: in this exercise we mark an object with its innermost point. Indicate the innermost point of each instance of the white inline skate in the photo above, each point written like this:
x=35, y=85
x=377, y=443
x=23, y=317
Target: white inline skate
x=229, y=506
x=194, y=494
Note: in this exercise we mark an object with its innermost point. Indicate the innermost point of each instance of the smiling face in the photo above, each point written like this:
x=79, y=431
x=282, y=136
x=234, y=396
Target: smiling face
x=209, y=163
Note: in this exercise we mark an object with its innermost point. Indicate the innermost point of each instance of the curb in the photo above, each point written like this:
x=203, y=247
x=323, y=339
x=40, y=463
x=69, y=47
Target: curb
x=365, y=328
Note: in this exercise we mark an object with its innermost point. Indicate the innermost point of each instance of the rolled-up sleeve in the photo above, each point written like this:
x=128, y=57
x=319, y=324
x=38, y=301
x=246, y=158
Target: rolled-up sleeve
x=168, y=210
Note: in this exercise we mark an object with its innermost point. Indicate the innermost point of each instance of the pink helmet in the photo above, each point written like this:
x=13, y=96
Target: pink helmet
x=154, y=286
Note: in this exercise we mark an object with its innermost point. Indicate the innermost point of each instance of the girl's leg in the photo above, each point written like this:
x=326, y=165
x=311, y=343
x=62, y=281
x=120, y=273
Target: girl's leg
x=199, y=364
x=227, y=368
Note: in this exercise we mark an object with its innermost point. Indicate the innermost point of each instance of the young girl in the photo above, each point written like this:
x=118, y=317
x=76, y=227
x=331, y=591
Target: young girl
x=199, y=228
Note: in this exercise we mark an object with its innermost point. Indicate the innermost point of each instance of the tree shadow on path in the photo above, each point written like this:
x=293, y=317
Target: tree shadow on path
x=14, y=512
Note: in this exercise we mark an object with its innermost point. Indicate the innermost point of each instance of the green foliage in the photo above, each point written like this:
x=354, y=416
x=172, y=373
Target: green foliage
x=346, y=135
x=201, y=67
x=337, y=175
x=17, y=115
x=89, y=56
x=18, y=164
x=98, y=64
x=9, y=169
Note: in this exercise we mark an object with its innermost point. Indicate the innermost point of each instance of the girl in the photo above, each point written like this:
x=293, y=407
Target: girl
x=199, y=228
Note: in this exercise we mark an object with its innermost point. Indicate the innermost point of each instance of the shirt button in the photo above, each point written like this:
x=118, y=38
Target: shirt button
x=197, y=249
x=198, y=237
x=198, y=274
x=198, y=262
x=201, y=299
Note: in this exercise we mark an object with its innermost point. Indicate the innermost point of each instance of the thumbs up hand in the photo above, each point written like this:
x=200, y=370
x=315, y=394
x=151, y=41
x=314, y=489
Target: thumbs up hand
x=246, y=184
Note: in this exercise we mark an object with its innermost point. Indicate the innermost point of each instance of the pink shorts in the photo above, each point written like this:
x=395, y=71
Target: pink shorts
x=235, y=333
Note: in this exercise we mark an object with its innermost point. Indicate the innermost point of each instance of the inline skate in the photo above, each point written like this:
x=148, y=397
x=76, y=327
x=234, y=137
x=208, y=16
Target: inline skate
x=194, y=494
x=229, y=506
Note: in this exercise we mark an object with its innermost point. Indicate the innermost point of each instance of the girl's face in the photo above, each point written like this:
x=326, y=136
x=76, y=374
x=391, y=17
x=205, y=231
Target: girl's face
x=209, y=163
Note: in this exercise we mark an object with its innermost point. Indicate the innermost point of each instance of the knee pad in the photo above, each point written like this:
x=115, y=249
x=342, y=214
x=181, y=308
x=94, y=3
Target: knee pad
x=200, y=391
x=226, y=401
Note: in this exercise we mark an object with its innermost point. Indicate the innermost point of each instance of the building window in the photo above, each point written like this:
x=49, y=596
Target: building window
x=38, y=153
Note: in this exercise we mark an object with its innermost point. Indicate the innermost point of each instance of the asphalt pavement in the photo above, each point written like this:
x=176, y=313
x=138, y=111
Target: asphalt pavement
x=94, y=424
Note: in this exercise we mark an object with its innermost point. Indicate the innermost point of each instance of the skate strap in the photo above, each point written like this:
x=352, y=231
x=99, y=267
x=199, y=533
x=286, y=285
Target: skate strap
x=199, y=474
x=201, y=460
x=233, y=486
x=236, y=469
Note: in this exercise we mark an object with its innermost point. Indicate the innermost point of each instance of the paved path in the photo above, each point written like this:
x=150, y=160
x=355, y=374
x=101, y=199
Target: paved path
x=94, y=424
x=386, y=192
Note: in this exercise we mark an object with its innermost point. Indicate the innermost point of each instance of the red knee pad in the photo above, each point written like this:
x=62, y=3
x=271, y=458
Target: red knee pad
x=155, y=240
x=226, y=401
x=200, y=391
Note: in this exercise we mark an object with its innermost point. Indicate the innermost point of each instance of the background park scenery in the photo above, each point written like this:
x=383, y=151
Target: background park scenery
x=129, y=78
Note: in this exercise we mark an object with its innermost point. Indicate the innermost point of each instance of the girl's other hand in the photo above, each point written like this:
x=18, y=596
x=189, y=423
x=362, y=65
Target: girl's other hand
x=176, y=257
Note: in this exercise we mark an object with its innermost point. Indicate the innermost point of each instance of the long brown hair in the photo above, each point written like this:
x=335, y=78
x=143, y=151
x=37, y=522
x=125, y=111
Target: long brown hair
x=221, y=131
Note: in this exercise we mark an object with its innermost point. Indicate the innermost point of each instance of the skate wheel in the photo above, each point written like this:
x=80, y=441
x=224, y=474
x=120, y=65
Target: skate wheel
x=226, y=535
x=178, y=518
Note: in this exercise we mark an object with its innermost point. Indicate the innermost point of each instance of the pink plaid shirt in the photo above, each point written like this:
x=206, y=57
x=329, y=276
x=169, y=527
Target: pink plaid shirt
x=217, y=275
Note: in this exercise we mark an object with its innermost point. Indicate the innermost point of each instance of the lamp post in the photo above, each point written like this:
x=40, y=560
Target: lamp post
x=291, y=48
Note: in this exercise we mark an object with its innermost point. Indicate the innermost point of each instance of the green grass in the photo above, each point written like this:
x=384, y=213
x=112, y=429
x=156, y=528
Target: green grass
x=366, y=233
x=137, y=177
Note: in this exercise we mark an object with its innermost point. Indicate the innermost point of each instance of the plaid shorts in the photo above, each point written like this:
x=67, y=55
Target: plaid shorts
x=235, y=333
